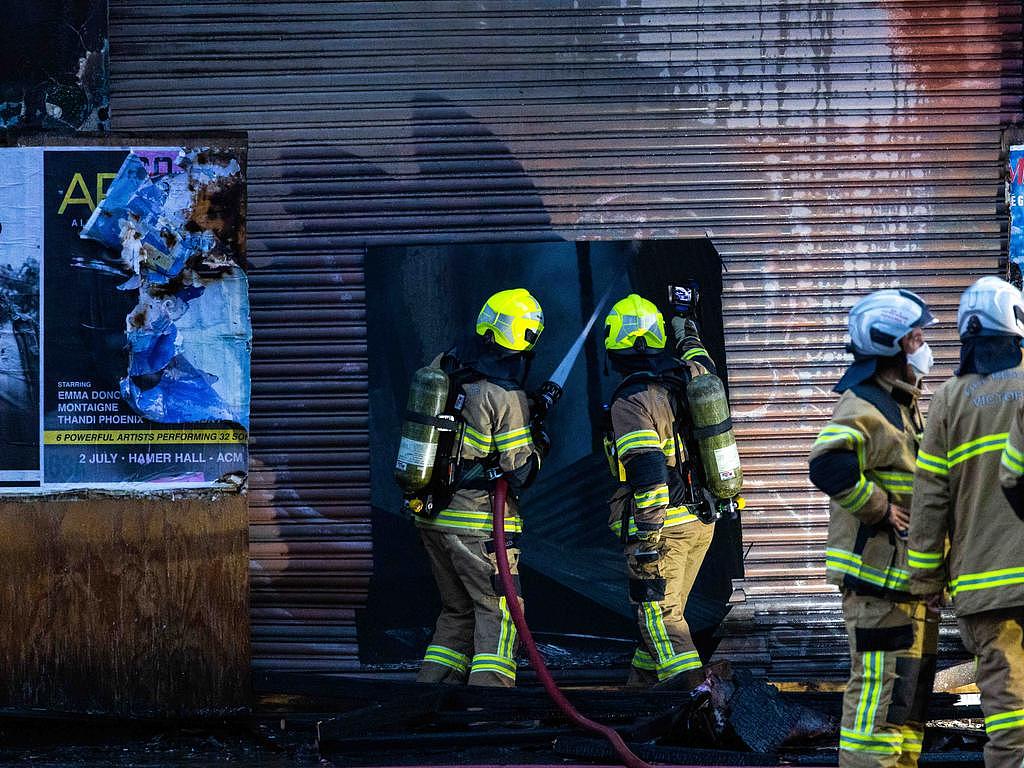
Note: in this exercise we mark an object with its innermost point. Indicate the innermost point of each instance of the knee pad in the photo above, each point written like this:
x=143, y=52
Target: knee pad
x=646, y=590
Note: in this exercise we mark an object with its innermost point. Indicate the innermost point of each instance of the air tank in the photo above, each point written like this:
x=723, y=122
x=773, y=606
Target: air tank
x=417, y=452
x=709, y=410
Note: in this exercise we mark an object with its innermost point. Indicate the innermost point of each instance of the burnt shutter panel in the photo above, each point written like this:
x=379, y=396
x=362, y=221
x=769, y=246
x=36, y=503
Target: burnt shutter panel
x=828, y=148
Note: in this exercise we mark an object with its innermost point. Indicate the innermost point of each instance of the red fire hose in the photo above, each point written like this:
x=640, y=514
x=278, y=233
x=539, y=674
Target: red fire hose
x=512, y=599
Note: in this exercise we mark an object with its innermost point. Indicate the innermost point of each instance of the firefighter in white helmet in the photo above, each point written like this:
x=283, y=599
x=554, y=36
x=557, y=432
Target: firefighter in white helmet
x=864, y=461
x=964, y=534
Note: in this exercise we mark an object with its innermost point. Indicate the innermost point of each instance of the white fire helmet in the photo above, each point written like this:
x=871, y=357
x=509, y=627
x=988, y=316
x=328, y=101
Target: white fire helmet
x=878, y=321
x=991, y=307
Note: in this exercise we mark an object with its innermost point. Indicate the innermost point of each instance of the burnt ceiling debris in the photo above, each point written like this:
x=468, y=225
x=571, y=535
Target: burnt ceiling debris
x=54, y=66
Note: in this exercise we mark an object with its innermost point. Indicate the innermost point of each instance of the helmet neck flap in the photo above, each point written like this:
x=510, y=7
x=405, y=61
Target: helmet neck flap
x=989, y=354
x=628, y=362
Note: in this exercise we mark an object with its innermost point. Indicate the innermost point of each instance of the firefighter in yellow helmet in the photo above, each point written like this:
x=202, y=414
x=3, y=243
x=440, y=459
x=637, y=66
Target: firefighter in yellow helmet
x=664, y=540
x=474, y=639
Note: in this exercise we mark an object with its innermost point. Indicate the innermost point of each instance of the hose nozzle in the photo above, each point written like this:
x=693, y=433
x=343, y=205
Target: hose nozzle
x=544, y=399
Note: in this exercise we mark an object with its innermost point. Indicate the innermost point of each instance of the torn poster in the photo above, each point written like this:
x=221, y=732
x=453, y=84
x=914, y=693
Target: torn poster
x=188, y=336
x=144, y=334
x=1016, y=251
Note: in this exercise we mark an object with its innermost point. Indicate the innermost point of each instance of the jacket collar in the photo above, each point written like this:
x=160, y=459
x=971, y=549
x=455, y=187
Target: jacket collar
x=903, y=393
x=894, y=399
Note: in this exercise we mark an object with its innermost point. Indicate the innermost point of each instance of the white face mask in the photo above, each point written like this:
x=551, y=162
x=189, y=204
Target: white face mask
x=921, y=359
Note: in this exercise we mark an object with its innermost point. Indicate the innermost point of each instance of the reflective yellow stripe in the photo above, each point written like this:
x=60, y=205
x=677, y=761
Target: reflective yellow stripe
x=931, y=463
x=858, y=497
x=985, y=444
x=882, y=743
x=669, y=449
x=673, y=516
x=516, y=438
x=641, y=438
x=895, y=482
x=512, y=434
x=492, y=668
x=655, y=624
x=854, y=565
x=871, y=692
x=913, y=739
x=520, y=443
x=480, y=441
x=924, y=561
x=895, y=476
x=446, y=657
x=695, y=352
x=1004, y=720
x=492, y=662
x=847, y=435
x=494, y=658
x=678, y=516
x=470, y=520
x=878, y=672
x=643, y=660
x=656, y=497
x=970, y=582
x=837, y=432
x=668, y=663
x=681, y=662
x=507, y=635
x=880, y=738
x=1013, y=459
x=503, y=662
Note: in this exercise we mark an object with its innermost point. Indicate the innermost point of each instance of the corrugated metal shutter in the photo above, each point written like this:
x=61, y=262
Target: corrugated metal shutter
x=829, y=148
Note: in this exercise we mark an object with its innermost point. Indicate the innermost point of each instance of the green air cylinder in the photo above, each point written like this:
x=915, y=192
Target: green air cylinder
x=417, y=453
x=712, y=427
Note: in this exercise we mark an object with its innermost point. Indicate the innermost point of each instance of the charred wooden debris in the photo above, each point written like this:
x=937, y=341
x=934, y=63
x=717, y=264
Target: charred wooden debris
x=733, y=719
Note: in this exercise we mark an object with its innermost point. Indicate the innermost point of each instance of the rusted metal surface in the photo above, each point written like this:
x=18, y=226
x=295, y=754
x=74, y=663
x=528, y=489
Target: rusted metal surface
x=125, y=605
x=829, y=148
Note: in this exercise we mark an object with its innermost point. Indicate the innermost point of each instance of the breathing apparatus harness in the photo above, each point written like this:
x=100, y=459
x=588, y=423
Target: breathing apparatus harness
x=430, y=476
x=686, y=483
x=430, y=483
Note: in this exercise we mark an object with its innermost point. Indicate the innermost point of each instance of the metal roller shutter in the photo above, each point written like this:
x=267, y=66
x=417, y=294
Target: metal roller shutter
x=829, y=148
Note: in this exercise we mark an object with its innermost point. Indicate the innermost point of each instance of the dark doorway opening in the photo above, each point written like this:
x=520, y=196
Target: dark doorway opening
x=422, y=300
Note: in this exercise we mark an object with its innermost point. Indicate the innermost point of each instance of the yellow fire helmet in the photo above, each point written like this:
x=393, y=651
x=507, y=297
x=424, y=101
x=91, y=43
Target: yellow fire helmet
x=634, y=319
x=514, y=319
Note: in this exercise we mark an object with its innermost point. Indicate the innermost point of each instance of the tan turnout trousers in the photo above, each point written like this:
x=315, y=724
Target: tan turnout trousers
x=893, y=648
x=997, y=641
x=666, y=649
x=474, y=639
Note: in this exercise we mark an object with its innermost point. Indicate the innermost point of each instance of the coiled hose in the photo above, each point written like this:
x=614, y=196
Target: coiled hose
x=537, y=662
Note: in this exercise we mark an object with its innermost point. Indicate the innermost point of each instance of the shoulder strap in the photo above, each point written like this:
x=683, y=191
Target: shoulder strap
x=458, y=373
x=882, y=400
x=631, y=384
x=674, y=378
